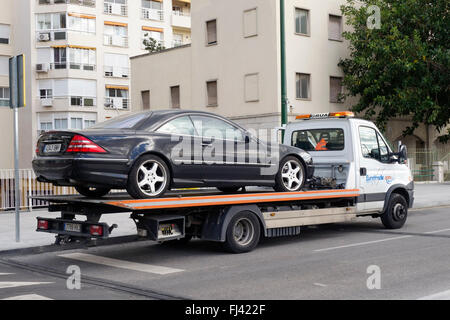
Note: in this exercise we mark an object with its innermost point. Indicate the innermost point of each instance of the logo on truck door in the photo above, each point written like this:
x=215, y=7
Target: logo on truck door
x=377, y=178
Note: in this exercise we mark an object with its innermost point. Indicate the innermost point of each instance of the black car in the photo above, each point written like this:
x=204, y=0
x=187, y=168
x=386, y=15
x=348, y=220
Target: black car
x=148, y=153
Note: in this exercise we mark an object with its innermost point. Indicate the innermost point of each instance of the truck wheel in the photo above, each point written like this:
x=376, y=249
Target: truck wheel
x=291, y=176
x=92, y=192
x=396, y=213
x=149, y=178
x=243, y=233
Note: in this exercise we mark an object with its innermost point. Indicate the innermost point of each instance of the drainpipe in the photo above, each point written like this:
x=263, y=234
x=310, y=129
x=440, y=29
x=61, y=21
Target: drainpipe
x=284, y=119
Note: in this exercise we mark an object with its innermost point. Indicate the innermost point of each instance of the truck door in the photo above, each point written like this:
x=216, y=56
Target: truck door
x=376, y=171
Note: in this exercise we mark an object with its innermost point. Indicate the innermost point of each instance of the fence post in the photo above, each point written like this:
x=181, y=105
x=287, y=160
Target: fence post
x=438, y=169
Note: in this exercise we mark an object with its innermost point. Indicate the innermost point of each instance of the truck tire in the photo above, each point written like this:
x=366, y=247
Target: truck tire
x=243, y=233
x=396, y=213
x=291, y=175
x=92, y=192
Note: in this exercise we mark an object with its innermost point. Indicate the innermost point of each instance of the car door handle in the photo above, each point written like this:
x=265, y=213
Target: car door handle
x=363, y=172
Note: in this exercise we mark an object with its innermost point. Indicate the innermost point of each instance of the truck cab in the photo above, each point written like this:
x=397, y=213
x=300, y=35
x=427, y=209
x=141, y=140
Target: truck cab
x=355, y=155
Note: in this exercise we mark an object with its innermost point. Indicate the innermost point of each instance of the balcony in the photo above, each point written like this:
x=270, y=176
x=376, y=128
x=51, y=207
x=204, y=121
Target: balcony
x=86, y=3
x=116, y=72
x=181, y=19
x=152, y=14
x=72, y=66
x=4, y=102
x=117, y=103
x=115, y=40
x=47, y=102
x=115, y=9
x=51, y=35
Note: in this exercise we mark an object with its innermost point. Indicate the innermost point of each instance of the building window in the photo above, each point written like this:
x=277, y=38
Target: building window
x=145, y=96
x=211, y=89
x=302, y=21
x=250, y=23
x=88, y=123
x=5, y=32
x=82, y=24
x=61, y=124
x=152, y=10
x=211, y=32
x=82, y=59
x=175, y=97
x=335, y=28
x=46, y=126
x=4, y=65
x=117, y=7
x=116, y=65
x=51, y=21
x=251, y=87
x=335, y=89
x=116, y=97
x=4, y=97
x=116, y=35
x=76, y=123
x=303, y=86
x=46, y=93
x=156, y=34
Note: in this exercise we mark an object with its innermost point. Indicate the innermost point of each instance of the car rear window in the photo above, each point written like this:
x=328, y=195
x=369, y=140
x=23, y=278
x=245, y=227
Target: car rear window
x=129, y=121
x=319, y=139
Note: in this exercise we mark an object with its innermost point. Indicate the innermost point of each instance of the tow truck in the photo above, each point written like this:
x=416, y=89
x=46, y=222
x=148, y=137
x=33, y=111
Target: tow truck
x=356, y=175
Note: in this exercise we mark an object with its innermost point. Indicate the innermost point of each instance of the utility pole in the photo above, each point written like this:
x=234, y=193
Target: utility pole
x=284, y=118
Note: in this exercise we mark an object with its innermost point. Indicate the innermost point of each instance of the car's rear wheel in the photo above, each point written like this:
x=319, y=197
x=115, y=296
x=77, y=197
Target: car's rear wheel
x=92, y=192
x=291, y=176
x=149, y=178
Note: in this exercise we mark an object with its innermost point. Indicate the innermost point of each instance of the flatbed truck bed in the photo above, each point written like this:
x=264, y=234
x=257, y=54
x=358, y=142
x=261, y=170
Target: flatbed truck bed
x=238, y=220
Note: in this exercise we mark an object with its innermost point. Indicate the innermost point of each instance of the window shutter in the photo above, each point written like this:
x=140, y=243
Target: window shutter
x=335, y=89
x=212, y=93
x=334, y=28
x=211, y=27
x=175, y=96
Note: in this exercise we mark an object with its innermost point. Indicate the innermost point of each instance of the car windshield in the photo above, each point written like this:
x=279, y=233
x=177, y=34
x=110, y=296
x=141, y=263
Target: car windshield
x=128, y=121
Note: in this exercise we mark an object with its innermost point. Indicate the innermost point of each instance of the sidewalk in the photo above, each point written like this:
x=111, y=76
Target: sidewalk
x=426, y=195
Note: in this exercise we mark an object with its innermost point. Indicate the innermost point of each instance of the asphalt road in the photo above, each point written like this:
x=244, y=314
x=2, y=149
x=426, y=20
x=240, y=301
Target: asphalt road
x=326, y=262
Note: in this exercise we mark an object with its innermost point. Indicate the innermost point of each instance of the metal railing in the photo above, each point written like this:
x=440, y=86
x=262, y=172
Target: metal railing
x=73, y=66
x=117, y=103
x=29, y=186
x=115, y=40
x=152, y=14
x=181, y=13
x=421, y=164
x=115, y=8
x=116, y=72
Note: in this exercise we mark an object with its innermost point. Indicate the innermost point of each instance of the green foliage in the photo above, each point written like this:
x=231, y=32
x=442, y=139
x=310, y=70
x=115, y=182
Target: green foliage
x=402, y=68
x=151, y=44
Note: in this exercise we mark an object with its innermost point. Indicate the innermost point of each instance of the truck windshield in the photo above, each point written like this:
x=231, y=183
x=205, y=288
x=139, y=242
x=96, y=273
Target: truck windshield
x=319, y=139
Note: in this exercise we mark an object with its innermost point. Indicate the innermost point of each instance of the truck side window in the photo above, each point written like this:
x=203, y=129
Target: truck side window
x=384, y=150
x=369, y=143
x=319, y=139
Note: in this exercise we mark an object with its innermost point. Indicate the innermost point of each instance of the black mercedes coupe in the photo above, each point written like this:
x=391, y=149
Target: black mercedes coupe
x=148, y=153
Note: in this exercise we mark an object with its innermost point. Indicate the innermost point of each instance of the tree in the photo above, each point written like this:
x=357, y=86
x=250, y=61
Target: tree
x=151, y=44
x=402, y=66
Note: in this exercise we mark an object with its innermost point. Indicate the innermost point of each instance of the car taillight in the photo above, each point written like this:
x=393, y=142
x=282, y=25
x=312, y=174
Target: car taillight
x=96, y=230
x=42, y=224
x=84, y=145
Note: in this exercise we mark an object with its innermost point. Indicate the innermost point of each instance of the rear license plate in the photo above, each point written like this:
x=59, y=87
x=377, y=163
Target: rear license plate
x=72, y=227
x=52, y=148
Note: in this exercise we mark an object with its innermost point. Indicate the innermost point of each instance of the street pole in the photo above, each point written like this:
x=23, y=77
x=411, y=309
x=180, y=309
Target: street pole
x=284, y=119
x=17, y=190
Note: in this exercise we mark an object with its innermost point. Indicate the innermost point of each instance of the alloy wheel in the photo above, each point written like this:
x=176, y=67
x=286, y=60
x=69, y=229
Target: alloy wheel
x=292, y=175
x=151, y=178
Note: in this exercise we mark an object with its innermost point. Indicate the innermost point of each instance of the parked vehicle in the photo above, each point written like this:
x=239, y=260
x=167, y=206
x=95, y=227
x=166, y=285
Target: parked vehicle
x=148, y=153
x=358, y=175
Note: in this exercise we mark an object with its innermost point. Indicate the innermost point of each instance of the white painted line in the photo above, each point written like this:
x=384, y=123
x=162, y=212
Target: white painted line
x=320, y=284
x=28, y=297
x=6, y=274
x=120, y=263
x=437, y=231
x=444, y=295
x=5, y=285
x=362, y=243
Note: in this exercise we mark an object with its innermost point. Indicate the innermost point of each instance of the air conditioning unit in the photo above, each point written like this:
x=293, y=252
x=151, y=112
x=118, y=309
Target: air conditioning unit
x=42, y=68
x=47, y=102
x=44, y=37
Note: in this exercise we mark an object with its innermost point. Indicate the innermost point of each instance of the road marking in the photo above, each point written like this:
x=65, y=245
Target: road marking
x=437, y=231
x=320, y=284
x=6, y=274
x=120, y=263
x=444, y=295
x=362, y=243
x=28, y=297
x=5, y=285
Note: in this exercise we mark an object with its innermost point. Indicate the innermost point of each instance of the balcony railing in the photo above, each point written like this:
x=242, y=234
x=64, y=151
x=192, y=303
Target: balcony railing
x=181, y=13
x=115, y=8
x=116, y=72
x=86, y=3
x=4, y=102
x=117, y=103
x=152, y=14
x=73, y=66
x=115, y=40
x=177, y=43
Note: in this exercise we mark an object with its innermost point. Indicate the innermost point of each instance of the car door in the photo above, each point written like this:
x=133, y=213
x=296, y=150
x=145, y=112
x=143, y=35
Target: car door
x=376, y=174
x=181, y=141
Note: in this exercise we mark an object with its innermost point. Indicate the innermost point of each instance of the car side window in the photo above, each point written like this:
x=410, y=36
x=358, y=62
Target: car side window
x=369, y=143
x=210, y=127
x=179, y=126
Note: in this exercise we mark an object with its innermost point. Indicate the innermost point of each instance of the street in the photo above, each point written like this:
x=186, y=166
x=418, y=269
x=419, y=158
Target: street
x=325, y=262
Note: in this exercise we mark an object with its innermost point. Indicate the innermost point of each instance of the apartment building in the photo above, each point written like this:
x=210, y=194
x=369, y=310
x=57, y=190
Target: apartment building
x=233, y=66
x=77, y=56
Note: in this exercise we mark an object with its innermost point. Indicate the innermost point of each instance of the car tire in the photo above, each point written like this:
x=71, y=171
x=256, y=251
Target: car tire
x=396, y=213
x=148, y=178
x=287, y=173
x=229, y=189
x=243, y=233
x=92, y=192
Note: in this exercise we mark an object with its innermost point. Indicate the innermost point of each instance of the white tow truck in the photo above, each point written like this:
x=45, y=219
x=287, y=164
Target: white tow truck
x=356, y=174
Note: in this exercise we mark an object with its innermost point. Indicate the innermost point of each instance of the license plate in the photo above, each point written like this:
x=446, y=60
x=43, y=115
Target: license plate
x=72, y=227
x=52, y=148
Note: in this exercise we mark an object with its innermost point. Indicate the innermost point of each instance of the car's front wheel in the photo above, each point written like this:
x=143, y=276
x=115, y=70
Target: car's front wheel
x=149, y=178
x=291, y=175
x=92, y=192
